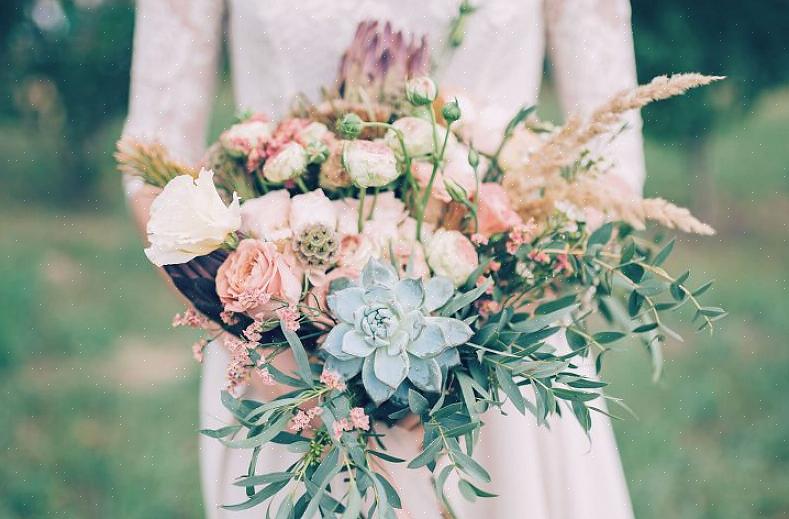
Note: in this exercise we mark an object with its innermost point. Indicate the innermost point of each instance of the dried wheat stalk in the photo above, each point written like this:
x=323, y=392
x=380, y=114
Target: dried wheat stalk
x=542, y=172
x=149, y=161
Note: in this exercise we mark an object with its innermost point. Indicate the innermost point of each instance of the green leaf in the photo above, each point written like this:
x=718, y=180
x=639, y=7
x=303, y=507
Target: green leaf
x=703, y=288
x=575, y=339
x=417, y=403
x=263, y=479
x=389, y=490
x=651, y=287
x=608, y=337
x=602, y=235
x=664, y=253
x=633, y=272
x=510, y=389
x=575, y=396
x=258, y=498
x=540, y=322
x=469, y=465
x=712, y=311
x=300, y=354
x=427, y=455
x=268, y=432
x=628, y=251
x=354, y=504
x=386, y=457
x=542, y=368
x=645, y=328
x=461, y=301
x=460, y=430
x=555, y=305
x=582, y=415
x=285, y=508
x=634, y=303
x=222, y=432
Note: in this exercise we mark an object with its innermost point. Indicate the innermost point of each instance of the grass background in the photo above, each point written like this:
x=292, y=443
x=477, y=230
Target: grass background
x=99, y=394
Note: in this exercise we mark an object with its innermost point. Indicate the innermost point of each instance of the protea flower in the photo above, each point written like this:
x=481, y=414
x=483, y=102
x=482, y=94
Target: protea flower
x=380, y=61
x=385, y=330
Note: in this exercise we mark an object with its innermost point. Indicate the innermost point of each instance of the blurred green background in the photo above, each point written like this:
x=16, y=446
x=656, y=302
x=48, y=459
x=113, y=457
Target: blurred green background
x=100, y=395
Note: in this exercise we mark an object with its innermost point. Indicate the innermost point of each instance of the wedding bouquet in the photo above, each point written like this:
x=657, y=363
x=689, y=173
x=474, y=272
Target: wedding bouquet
x=408, y=273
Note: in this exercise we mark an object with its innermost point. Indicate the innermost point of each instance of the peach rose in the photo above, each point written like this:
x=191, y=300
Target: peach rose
x=321, y=283
x=355, y=251
x=495, y=213
x=452, y=255
x=257, y=279
x=266, y=217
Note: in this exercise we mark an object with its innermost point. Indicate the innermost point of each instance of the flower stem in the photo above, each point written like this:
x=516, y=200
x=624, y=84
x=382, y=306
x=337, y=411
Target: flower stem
x=362, y=192
x=438, y=156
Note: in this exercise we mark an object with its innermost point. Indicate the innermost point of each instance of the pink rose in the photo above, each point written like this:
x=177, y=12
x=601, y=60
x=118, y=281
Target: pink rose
x=257, y=279
x=495, y=213
x=310, y=209
x=266, y=217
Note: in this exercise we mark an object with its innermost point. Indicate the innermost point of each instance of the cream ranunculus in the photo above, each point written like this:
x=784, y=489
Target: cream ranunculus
x=417, y=137
x=189, y=219
x=452, y=255
x=369, y=163
x=289, y=163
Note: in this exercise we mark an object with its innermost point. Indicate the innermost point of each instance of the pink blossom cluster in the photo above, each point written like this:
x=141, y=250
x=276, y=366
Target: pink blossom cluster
x=357, y=419
x=332, y=380
x=302, y=420
x=190, y=318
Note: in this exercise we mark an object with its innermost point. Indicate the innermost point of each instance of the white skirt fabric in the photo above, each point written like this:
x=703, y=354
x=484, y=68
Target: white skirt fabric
x=537, y=472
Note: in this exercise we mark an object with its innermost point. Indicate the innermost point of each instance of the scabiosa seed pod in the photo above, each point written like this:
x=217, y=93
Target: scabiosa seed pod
x=349, y=126
x=421, y=91
x=317, y=245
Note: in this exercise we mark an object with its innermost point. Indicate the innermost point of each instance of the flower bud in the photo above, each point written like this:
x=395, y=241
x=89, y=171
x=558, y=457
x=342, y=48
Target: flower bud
x=369, y=164
x=451, y=112
x=456, y=191
x=421, y=91
x=349, y=126
x=473, y=158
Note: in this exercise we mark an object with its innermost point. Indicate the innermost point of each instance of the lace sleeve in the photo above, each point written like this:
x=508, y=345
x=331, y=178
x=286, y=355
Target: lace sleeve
x=591, y=49
x=174, y=67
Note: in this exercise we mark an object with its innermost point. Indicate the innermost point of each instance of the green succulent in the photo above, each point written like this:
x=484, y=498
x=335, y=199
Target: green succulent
x=385, y=330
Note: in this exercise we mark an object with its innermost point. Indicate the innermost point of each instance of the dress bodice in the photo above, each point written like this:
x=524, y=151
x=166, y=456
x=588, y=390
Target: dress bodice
x=280, y=48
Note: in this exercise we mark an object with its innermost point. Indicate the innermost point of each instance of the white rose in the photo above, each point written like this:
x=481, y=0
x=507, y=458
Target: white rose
x=310, y=209
x=266, y=217
x=242, y=138
x=289, y=163
x=369, y=163
x=189, y=219
x=452, y=255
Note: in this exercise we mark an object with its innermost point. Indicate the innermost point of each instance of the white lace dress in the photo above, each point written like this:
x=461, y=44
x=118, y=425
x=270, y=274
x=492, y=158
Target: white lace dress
x=280, y=48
